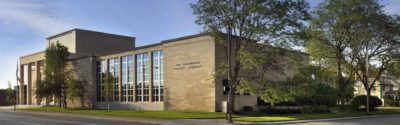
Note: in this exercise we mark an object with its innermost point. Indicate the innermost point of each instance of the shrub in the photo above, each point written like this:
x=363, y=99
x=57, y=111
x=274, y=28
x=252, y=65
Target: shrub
x=273, y=110
x=320, y=109
x=362, y=101
x=394, y=104
x=247, y=108
x=293, y=109
x=389, y=102
x=315, y=94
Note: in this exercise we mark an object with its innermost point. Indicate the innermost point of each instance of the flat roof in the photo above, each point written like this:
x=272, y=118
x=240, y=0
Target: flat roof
x=184, y=37
x=146, y=46
x=32, y=54
x=77, y=29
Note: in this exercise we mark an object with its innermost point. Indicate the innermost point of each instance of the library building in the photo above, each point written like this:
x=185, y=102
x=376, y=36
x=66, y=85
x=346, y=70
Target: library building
x=175, y=74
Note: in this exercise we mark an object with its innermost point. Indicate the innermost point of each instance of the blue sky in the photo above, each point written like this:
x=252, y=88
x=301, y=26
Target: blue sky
x=25, y=24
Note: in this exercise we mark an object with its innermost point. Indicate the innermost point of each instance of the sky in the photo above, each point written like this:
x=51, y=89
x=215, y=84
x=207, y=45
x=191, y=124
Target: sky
x=25, y=24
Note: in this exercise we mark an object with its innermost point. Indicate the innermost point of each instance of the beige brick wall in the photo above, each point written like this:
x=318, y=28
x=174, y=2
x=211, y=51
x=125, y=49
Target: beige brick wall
x=68, y=39
x=189, y=65
x=32, y=58
x=90, y=42
x=84, y=71
x=285, y=65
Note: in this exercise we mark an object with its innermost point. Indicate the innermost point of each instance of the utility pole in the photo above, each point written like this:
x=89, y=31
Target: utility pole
x=16, y=89
x=366, y=78
x=230, y=106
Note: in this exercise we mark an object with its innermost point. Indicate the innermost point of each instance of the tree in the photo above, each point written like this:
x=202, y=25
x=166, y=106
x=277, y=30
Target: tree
x=379, y=47
x=76, y=89
x=108, y=88
x=361, y=100
x=332, y=31
x=10, y=95
x=236, y=24
x=56, y=75
x=313, y=87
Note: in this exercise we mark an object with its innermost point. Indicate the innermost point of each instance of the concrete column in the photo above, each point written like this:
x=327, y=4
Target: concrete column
x=29, y=85
x=21, y=85
x=134, y=76
x=38, y=77
x=150, y=76
x=120, y=79
x=107, y=63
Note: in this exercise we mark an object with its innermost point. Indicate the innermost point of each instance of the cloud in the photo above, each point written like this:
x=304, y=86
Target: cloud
x=33, y=15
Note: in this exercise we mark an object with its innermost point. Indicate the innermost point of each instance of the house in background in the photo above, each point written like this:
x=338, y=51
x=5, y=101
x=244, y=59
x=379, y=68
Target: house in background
x=387, y=86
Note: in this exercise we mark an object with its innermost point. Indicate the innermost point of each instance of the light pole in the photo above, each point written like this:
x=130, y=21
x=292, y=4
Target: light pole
x=16, y=89
x=366, y=77
x=230, y=92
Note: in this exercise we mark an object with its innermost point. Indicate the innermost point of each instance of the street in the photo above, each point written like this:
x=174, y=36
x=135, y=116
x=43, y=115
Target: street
x=21, y=118
x=382, y=120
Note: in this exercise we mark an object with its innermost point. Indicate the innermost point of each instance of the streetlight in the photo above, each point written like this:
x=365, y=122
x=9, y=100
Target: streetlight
x=16, y=89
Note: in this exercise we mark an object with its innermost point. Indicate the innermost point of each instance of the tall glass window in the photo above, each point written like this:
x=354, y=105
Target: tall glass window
x=114, y=71
x=158, y=73
x=142, y=77
x=124, y=77
x=127, y=82
x=101, y=74
x=130, y=79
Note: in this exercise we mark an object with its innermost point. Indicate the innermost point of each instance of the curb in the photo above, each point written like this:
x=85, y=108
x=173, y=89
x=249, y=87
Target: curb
x=313, y=120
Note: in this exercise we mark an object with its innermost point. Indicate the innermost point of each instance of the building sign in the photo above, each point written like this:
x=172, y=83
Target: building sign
x=187, y=65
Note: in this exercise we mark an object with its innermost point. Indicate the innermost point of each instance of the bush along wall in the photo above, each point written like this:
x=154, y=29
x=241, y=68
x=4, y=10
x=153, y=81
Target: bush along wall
x=360, y=102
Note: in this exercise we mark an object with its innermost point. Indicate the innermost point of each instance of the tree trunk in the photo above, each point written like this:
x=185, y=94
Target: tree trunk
x=342, y=87
x=368, y=95
x=342, y=91
x=108, y=106
x=65, y=102
x=232, y=90
x=230, y=103
x=59, y=102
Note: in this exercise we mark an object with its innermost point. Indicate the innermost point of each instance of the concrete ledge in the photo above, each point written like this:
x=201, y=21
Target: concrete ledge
x=151, y=106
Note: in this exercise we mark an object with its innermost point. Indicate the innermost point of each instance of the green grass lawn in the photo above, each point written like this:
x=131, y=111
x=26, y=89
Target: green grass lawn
x=213, y=115
x=277, y=118
x=133, y=113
